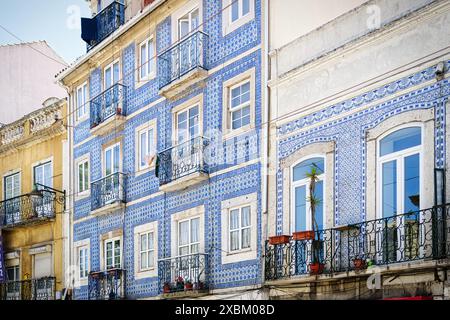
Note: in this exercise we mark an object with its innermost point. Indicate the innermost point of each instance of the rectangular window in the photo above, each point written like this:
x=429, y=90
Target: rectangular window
x=112, y=159
x=146, y=146
x=11, y=186
x=189, y=236
x=239, y=8
x=43, y=175
x=240, y=105
x=83, y=176
x=113, y=254
x=111, y=75
x=13, y=273
x=187, y=124
x=83, y=262
x=240, y=228
x=146, y=251
x=147, y=59
x=81, y=101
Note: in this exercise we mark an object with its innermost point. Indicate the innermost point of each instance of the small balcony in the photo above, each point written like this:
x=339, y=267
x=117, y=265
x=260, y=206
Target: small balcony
x=108, y=110
x=28, y=209
x=183, y=64
x=186, y=275
x=106, y=285
x=108, y=193
x=414, y=237
x=95, y=30
x=183, y=165
x=32, y=289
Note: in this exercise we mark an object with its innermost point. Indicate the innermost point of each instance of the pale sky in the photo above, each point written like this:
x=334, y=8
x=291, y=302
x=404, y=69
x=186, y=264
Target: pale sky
x=56, y=21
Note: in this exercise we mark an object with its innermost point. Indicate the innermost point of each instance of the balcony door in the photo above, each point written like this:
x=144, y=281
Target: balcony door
x=113, y=254
x=187, y=263
x=13, y=286
x=12, y=203
x=187, y=46
x=43, y=175
x=42, y=269
x=111, y=95
x=399, y=172
x=185, y=155
x=111, y=186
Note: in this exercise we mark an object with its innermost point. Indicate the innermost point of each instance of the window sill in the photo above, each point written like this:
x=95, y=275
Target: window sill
x=142, y=82
x=229, y=27
x=149, y=273
x=83, y=195
x=145, y=170
x=237, y=132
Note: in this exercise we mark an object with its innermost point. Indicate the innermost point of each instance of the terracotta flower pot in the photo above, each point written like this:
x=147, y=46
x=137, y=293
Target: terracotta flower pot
x=166, y=288
x=279, y=240
x=188, y=286
x=316, y=268
x=359, y=263
x=303, y=235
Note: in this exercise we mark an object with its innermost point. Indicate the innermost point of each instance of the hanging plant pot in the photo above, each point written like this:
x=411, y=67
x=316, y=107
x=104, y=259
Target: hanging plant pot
x=279, y=240
x=316, y=268
x=359, y=264
x=303, y=235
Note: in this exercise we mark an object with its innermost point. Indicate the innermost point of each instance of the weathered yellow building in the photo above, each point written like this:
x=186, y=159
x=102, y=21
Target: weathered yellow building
x=32, y=210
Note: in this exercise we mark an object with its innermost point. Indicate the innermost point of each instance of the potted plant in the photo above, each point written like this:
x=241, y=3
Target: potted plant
x=274, y=240
x=316, y=266
x=179, y=282
x=359, y=263
x=167, y=287
x=200, y=285
x=188, y=285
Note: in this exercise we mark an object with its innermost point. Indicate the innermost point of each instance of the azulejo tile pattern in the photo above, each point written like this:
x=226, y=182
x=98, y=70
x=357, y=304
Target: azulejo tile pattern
x=349, y=134
x=159, y=206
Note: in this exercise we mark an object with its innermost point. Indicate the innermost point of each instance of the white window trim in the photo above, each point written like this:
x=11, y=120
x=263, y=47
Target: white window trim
x=11, y=173
x=197, y=212
x=151, y=60
x=304, y=182
x=85, y=116
x=227, y=130
x=397, y=156
x=120, y=238
x=145, y=228
x=80, y=195
x=112, y=74
x=198, y=100
x=239, y=229
x=48, y=247
x=229, y=256
x=39, y=163
x=152, y=124
x=85, y=243
x=190, y=6
x=111, y=147
x=227, y=25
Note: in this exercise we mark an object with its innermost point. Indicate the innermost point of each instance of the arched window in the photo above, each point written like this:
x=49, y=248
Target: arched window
x=300, y=194
x=399, y=169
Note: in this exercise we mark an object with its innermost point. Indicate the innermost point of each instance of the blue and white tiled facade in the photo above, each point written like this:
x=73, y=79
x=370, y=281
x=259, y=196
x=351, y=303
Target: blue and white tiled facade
x=235, y=169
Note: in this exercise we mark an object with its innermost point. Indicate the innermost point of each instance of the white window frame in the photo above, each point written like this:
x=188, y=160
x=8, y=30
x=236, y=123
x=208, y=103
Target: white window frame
x=86, y=244
x=84, y=161
x=151, y=125
x=228, y=25
x=178, y=14
x=196, y=212
x=240, y=228
x=41, y=163
x=248, y=104
x=111, y=147
x=85, y=263
x=190, y=244
x=150, y=65
x=111, y=65
x=147, y=251
x=105, y=253
x=10, y=174
x=85, y=105
x=151, y=227
x=196, y=101
x=241, y=15
x=305, y=182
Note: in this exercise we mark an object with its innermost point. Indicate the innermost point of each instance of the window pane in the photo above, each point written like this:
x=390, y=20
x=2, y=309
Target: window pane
x=144, y=261
x=319, y=208
x=235, y=10
x=193, y=122
x=234, y=219
x=116, y=158
x=304, y=167
x=143, y=148
x=80, y=178
x=245, y=217
x=143, y=61
x=86, y=175
x=108, y=78
x=116, y=72
x=246, y=238
x=150, y=241
x=245, y=7
x=234, y=238
x=184, y=233
x=143, y=242
x=400, y=140
x=195, y=230
x=389, y=188
x=184, y=250
x=245, y=116
x=194, y=19
x=300, y=208
x=412, y=183
x=151, y=147
x=236, y=118
x=150, y=56
x=194, y=248
x=151, y=259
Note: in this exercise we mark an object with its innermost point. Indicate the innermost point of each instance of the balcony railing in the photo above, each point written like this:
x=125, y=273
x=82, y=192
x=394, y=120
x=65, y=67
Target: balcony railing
x=182, y=160
x=28, y=208
x=107, y=104
x=183, y=57
x=107, y=21
x=108, y=190
x=106, y=285
x=32, y=289
x=188, y=273
x=408, y=237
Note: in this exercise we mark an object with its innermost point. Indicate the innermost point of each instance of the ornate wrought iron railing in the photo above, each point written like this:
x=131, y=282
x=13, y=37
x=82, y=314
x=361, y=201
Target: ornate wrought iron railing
x=32, y=289
x=408, y=237
x=106, y=22
x=106, y=285
x=107, y=104
x=183, y=57
x=184, y=273
x=108, y=190
x=182, y=160
x=29, y=208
